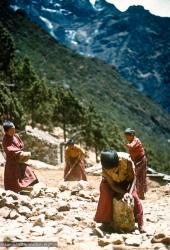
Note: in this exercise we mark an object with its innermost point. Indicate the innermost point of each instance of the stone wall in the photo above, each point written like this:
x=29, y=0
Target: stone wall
x=43, y=146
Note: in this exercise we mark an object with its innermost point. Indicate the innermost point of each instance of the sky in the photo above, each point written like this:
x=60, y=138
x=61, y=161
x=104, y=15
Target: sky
x=156, y=7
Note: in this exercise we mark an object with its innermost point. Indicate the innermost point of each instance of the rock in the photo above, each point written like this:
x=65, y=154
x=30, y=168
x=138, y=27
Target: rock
x=133, y=241
x=63, y=186
x=21, y=219
x=84, y=185
x=152, y=219
x=79, y=218
x=27, y=228
x=150, y=230
x=37, y=189
x=59, y=217
x=85, y=194
x=79, y=185
x=11, y=233
x=95, y=193
x=110, y=247
x=103, y=242
x=116, y=239
x=37, y=203
x=40, y=221
x=8, y=201
x=88, y=245
x=49, y=231
x=5, y=212
x=51, y=192
x=26, y=203
x=13, y=215
x=71, y=222
x=98, y=232
x=161, y=238
x=51, y=213
x=63, y=206
x=37, y=231
x=66, y=195
x=2, y=202
x=12, y=194
x=24, y=211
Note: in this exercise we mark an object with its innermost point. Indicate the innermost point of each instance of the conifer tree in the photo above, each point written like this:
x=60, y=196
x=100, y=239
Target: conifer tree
x=10, y=107
x=94, y=130
x=7, y=49
x=68, y=110
x=37, y=98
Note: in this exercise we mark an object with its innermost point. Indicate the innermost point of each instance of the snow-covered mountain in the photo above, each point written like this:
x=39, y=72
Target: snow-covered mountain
x=136, y=42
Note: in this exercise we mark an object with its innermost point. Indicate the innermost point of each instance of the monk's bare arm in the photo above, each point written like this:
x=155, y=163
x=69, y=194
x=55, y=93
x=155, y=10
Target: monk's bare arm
x=114, y=186
x=131, y=168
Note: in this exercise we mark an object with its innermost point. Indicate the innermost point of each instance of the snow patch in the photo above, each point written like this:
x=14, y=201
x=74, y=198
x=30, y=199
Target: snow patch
x=74, y=42
x=156, y=55
x=158, y=77
x=14, y=7
x=149, y=30
x=93, y=2
x=65, y=12
x=143, y=75
x=49, y=10
x=47, y=22
x=71, y=34
x=125, y=33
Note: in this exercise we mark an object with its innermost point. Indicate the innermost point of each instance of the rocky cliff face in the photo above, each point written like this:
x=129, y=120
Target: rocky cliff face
x=135, y=41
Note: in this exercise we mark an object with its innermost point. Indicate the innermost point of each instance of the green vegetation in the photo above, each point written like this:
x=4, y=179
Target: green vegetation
x=93, y=85
x=67, y=110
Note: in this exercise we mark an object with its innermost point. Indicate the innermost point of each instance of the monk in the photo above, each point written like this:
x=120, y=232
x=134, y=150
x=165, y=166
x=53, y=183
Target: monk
x=137, y=154
x=118, y=179
x=74, y=163
x=18, y=175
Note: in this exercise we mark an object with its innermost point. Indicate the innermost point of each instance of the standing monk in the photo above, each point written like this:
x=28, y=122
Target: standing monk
x=75, y=165
x=137, y=154
x=18, y=174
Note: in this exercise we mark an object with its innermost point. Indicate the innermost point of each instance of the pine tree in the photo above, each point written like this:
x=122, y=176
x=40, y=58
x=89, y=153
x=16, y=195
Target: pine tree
x=37, y=100
x=94, y=130
x=10, y=107
x=7, y=49
x=32, y=91
x=68, y=110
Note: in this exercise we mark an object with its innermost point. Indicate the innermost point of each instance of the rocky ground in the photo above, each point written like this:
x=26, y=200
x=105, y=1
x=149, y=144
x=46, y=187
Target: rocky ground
x=61, y=213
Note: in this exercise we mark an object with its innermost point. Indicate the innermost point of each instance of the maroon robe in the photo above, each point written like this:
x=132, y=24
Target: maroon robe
x=17, y=175
x=78, y=173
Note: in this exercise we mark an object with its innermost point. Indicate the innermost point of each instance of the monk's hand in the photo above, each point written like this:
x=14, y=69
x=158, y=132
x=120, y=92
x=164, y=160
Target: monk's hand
x=24, y=156
x=128, y=198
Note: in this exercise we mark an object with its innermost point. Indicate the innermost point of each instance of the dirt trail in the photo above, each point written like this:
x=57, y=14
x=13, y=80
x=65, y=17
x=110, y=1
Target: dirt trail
x=52, y=177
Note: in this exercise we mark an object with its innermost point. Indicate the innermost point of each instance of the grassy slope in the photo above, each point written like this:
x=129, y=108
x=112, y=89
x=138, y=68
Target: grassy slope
x=97, y=82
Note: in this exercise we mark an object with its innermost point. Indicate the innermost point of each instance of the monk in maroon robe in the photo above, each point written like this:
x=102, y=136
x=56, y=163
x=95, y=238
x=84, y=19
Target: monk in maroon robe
x=137, y=154
x=75, y=166
x=18, y=175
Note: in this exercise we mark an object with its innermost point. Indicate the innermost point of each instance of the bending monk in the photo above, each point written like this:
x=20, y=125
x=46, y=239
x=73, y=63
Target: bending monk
x=75, y=165
x=18, y=175
x=118, y=178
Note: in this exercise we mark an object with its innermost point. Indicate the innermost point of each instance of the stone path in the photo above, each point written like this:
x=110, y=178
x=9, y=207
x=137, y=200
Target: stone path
x=63, y=215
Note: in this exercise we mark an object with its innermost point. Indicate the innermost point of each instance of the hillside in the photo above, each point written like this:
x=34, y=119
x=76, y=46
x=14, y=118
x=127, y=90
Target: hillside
x=95, y=82
x=134, y=41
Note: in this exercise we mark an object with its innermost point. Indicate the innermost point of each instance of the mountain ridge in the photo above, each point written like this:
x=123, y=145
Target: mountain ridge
x=113, y=36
